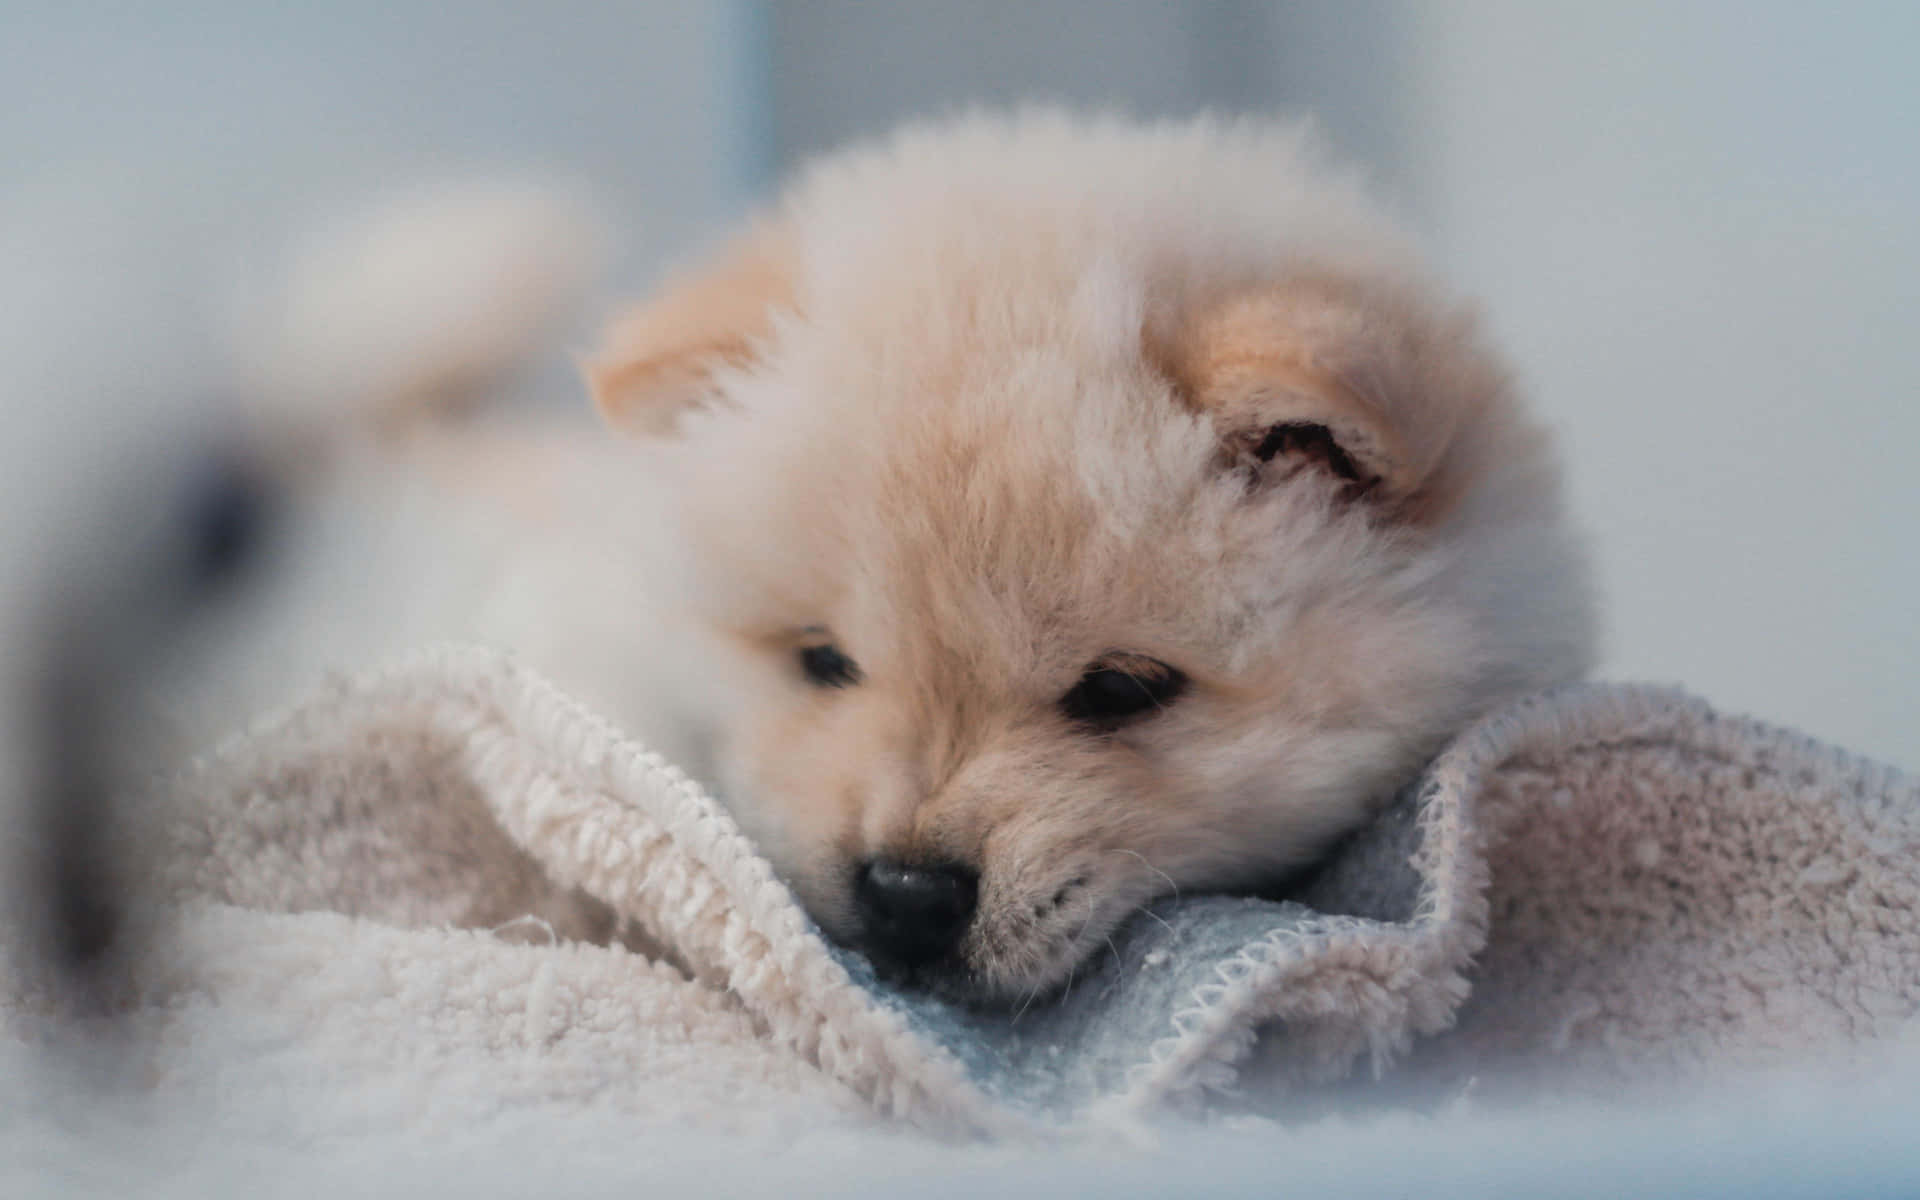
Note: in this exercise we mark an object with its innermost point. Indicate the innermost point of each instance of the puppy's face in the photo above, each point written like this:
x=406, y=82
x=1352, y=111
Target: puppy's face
x=1043, y=593
x=990, y=702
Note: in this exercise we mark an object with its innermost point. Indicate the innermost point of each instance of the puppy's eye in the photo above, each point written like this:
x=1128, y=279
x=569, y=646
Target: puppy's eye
x=826, y=666
x=1116, y=691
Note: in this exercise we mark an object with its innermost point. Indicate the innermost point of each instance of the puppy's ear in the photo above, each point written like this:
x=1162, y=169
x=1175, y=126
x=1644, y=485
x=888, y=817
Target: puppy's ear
x=1324, y=375
x=656, y=360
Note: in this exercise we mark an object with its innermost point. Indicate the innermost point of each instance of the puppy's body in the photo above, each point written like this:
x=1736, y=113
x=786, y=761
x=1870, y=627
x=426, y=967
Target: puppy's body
x=1074, y=512
x=1027, y=519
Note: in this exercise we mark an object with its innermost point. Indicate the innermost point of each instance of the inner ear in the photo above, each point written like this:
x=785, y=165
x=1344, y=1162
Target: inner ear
x=657, y=360
x=1300, y=373
x=1315, y=444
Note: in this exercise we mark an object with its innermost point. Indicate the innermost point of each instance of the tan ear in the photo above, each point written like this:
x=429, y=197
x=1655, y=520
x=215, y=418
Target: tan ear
x=656, y=361
x=1319, y=373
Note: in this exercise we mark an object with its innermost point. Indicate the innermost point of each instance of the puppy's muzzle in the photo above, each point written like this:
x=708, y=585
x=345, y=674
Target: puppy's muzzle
x=913, y=915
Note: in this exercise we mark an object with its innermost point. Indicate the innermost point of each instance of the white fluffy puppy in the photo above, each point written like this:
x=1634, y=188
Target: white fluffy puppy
x=1077, y=510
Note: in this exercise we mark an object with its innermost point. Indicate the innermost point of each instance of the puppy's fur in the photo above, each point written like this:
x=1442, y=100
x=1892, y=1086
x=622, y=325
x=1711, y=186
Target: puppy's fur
x=1004, y=401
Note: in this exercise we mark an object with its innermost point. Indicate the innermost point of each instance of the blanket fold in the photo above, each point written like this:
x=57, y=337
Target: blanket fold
x=1603, y=885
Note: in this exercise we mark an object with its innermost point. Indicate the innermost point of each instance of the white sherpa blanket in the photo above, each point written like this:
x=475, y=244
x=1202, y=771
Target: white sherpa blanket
x=447, y=896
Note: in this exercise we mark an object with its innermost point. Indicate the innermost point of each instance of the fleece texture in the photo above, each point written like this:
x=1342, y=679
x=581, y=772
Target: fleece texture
x=447, y=892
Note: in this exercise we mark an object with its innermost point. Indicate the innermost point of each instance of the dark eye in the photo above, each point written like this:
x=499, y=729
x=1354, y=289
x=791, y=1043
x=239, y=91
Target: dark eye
x=1115, y=691
x=826, y=666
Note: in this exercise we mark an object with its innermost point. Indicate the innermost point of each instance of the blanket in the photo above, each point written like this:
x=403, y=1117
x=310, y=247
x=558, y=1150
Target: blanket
x=451, y=874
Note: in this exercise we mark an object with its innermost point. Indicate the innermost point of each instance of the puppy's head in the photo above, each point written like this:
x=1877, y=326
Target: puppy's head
x=1076, y=533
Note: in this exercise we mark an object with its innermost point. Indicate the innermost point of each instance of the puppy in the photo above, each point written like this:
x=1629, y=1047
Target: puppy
x=1066, y=513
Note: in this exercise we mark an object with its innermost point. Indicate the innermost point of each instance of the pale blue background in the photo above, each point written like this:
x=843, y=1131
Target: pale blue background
x=1693, y=224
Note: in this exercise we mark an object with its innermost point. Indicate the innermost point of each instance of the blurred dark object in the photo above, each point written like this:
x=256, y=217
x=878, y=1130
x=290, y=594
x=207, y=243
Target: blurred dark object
x=72, y=799
x=143, y=579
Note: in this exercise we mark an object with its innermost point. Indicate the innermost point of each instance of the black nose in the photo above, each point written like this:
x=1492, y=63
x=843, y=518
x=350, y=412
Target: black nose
x=913, y=915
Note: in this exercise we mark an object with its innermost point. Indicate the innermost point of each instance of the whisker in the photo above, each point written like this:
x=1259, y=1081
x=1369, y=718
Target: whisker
x=1024, y=1004
x=1148, y=912
x=1171, y=884
x=1086, y=923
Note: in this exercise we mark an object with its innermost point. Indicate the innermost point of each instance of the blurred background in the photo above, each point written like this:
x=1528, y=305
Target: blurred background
x=1692, y=225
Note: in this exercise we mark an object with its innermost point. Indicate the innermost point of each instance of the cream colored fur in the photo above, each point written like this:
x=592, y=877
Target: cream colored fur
x=980, y=405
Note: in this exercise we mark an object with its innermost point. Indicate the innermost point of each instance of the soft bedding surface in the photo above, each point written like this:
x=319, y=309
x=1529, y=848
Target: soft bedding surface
x=447, y=897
